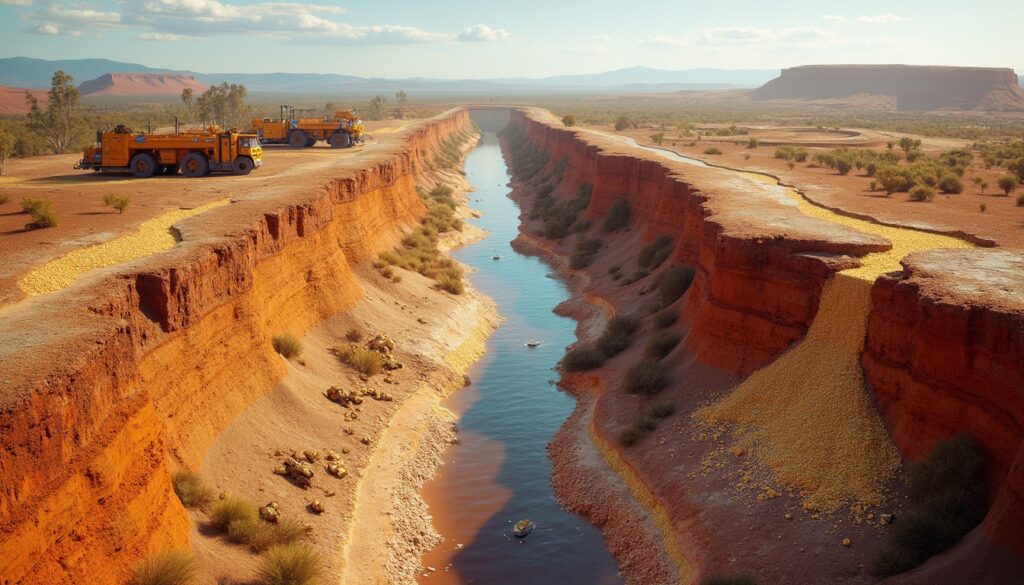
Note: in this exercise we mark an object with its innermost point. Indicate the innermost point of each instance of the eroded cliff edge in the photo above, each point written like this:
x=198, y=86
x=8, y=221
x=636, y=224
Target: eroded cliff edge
x=108, y=384
x=760, y=271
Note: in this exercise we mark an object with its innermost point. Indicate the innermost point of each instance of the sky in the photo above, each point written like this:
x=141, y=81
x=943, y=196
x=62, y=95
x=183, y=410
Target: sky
x=458, y=39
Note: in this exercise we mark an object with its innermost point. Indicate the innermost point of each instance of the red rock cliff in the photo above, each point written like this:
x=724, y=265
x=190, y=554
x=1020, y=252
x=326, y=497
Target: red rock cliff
x=109, y=385
x=945, y=355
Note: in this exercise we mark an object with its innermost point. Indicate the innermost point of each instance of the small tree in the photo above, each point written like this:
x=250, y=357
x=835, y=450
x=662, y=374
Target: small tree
x=844, y=165
x=658, y=138
x=401, y=98
x=376, y=107
x=569, y=120
x=6, y=150
x=908, y=144
x=622, y=123
x=1007, y=183
x=188, y=99
x=58, y=123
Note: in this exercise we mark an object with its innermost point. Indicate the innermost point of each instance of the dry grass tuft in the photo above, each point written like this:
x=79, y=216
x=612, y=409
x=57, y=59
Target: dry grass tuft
x=290, y=564
x=191, y=490
x=171, y=567
x=287, y=345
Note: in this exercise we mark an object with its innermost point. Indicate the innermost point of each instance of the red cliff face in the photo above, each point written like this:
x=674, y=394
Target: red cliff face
x=140, y=84
x=945, y=355
x=110, y=385
x=913, y=87
x=759, y=265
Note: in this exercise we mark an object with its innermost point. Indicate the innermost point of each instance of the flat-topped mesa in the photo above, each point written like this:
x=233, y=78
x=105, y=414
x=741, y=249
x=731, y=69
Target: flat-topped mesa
x=140, y=84
x=110, y=384
x=910, y=87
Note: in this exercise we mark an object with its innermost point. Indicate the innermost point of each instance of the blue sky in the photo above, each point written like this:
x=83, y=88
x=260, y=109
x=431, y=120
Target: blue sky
x=496, y=38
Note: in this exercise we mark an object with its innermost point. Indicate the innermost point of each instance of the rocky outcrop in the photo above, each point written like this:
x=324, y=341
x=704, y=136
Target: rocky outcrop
x=945, y=355
x=140, y=84
x=912, y=87
x=109, y=385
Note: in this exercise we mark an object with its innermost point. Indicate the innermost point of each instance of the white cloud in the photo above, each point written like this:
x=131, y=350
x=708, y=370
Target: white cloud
x=482, y=33
x=603, y=38
x=157, y=37
x=882, y=18
x=16, y=2
x=44, y=29
x=836, y=18
x=663, y=40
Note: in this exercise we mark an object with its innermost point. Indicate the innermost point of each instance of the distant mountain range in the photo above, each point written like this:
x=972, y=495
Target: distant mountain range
x=28, y=72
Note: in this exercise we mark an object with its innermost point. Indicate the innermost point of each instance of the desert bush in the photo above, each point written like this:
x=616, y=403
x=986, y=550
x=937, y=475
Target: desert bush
x=661, y=344
x=653, y=254
x=354, y=335
x=753, y=143
x=673, y=282
x=618, y=334
x=622, y=122
x=287, y=345
x=660, y=410
x=713, y=150
x=451, y=284
x=948, y=495
x=1020, y=200
x=613, y=269
x=290, y=564
x=630, y=435
x=618, y=216
x=4, y=199
x=231, y=510
x=1007, y=183
x=728, y=580
x=569, y=120
x=261, y=535
x=665, y=318
x=645, y=377
x=30, y=204
x=922, y=193
x=191, y=489
x=586, y=248
x=118, y=202
x=791, y=153
x=950, y=183
x=583, y=357
x=363, y=360
x=170, y=567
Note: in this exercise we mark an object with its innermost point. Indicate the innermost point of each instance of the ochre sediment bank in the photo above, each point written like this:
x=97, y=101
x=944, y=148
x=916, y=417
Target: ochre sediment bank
x=111, y=383
x=761, y=268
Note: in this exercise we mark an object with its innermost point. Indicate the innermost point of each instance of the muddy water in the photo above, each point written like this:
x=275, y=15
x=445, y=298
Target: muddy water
x=500, y=471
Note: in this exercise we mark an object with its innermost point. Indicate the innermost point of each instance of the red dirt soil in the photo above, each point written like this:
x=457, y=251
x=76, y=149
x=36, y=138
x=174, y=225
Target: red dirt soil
x=140, y=84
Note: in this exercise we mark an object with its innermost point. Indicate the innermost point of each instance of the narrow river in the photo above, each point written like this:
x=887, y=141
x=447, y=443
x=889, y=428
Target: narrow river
x=500, y=473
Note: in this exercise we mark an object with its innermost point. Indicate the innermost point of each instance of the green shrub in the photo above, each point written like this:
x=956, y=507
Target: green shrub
x=661, y=344
x=30, y=204
x=922, y=193
x=645, y=377
x=1007, y=183
x=622, y=122
x=171, y=567
x=287, y=345
x=630, y=435
x=713, y=150
x=42, y=212
x=586, y=249
x=753, y=143
x=665, y=318
x=118, y=202
x=366, y=361
x=261, y=535
x=948, y=499
x=4, y=199
x=191, y=489
x=654, y=253
x=451, y=284
x=728, y=580
x=950, y=183
x=618, y=216
x=673, y=282
x=583, y=357
x=791, y=153
x=618, y=334
x=230, y=510
x=661, y=410
x=290, y=564
x=1020, y=200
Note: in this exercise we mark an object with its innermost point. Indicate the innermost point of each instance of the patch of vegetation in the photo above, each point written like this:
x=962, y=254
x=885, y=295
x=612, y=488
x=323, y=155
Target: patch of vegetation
x=660, y=410
x=560, y=217
x=728, y=580
x=1007, y=183
x=290, y=564
x=950, y=183
x=791, y=153
x=354, y=335
x=569, y=120
x=713, y=150
x=618, y=216
x=645, y=377
x=947, y=492
x=583, y=357
x=4, y=198
x=661, y=344
x=261, y=535
x=653, y=254
x=525, y=159
x=618, y=334
x=630, y=435
x=229, y=510
x=365, y=361
x=586, y=249
x=42, y=212
x=118, y=202
x=673, y=282
x=665, y=318
x=753, y=143
x=922, y=193
x=287, y=345
x=419, y=252
x=170, y=567
x=1020, y=200
x=191, y=490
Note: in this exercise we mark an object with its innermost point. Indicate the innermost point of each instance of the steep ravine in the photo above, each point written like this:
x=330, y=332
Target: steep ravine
x=112, y=383
x=761, y=268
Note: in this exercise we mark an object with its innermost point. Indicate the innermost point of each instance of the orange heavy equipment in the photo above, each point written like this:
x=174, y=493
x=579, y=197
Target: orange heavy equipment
x=341, y=130
x=196, y=153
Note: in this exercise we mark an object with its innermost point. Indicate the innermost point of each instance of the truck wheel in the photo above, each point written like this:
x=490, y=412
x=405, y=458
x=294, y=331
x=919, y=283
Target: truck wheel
x=340, y=140
x=194, y=165
x=242, y=166
x=298, y=139
x=143, y=165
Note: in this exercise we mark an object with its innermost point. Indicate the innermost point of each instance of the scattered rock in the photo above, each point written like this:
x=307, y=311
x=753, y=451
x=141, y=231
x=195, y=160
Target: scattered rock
x=421, y=321
x=789, y=516
x=365, y=440
x=311, y=456
x=332, y=456
x=847, y=542
x=270, y=512
x=886, y=518
x=336, y=470
x=300, y=472
x=317, y=507
x=223, y=496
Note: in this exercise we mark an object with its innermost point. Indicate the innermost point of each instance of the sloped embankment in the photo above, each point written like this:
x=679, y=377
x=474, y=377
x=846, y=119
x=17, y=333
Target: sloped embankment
x=109, y=383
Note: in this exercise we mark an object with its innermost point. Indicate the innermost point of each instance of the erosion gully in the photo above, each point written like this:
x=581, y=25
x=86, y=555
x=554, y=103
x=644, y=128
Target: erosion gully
x=499, y=472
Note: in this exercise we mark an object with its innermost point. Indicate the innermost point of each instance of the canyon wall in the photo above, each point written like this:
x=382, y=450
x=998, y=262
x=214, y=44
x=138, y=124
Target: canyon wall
x=913, y=87
x=112, y=384
x=945, y=355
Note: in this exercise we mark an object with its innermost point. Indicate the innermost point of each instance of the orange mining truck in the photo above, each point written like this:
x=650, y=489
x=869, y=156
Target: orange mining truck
x=341, y=130
x=196, y=153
